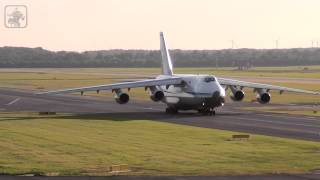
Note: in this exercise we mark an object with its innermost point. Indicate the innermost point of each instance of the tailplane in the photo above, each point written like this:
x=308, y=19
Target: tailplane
x=167, y=68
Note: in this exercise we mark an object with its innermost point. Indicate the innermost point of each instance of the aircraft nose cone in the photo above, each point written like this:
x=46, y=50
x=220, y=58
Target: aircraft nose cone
x=218, y=97
x=216, y=94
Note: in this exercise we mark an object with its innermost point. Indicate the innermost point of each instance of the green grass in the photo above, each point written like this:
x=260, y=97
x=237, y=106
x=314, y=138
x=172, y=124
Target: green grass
x=55, y=78
x=89, y=144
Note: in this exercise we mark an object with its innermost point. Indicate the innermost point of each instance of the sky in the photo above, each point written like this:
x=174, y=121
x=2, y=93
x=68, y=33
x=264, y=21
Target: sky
x=80, y=25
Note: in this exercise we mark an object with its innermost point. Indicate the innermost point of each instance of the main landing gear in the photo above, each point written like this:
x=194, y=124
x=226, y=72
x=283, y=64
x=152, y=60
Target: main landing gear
x=207, y=111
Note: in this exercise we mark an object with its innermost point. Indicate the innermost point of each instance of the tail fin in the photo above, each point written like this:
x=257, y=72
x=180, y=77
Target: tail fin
x=167, y=68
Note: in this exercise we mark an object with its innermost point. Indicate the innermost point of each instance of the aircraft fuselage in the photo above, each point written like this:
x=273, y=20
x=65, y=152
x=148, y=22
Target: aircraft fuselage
x=198, y=92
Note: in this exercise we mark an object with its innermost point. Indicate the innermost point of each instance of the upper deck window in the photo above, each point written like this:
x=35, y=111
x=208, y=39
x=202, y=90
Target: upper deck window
x=209, y=79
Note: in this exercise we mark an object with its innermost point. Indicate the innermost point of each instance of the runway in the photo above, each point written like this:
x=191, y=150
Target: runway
x=229, y=117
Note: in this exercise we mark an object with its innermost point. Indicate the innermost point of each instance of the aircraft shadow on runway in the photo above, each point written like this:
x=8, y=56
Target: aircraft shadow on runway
x=122, y=116
x=129, y=116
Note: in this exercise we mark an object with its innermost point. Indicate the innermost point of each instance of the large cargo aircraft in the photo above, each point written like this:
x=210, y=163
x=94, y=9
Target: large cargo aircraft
x=203, y=93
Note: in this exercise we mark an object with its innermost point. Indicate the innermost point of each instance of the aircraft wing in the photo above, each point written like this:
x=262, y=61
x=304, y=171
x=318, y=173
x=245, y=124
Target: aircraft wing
x=232, y=82
x=122, y=85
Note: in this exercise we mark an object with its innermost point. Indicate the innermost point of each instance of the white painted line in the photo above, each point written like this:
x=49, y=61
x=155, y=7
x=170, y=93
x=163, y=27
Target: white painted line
x=12, y=102
x=149, y=108
x=235, y=112
x=291, y=117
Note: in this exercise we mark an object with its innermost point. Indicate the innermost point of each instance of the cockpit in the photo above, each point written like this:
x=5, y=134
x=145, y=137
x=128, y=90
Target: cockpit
x=209, y=79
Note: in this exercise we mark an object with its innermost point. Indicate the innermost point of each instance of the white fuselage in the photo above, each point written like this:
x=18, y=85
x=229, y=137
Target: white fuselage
x=198, y=92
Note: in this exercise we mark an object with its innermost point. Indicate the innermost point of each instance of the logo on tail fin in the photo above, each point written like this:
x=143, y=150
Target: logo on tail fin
x=167, y=68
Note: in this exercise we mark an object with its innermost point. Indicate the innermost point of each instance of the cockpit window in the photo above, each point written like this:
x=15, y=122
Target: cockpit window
x=209, y=79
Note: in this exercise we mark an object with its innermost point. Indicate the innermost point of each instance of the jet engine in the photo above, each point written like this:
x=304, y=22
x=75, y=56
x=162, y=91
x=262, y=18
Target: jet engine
x=263, y=97
x=157, y=95
x=237, y=94
x=121, y=98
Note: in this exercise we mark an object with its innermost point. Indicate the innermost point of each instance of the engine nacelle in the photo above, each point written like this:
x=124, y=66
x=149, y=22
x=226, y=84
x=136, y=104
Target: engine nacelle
x=157, y=96
x=237, y=94
x=263, y=97
x=121, y=98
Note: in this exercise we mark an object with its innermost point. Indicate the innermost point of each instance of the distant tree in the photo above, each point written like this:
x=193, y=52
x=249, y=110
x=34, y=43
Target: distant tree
x=240, y=58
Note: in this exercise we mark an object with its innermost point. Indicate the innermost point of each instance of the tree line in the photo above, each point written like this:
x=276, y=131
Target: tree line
x=39, y=57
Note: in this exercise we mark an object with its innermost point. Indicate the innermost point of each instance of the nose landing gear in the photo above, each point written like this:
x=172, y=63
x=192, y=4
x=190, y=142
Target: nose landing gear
x=212, y=112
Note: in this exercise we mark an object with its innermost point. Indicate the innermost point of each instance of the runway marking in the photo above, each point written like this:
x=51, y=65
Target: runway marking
x=276, y=122
x=12, y=102
x=235, y=112
x=291, y=117
x=150, y=108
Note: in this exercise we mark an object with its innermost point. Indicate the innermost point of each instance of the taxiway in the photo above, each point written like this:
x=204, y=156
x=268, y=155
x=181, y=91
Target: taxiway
x=230, y=117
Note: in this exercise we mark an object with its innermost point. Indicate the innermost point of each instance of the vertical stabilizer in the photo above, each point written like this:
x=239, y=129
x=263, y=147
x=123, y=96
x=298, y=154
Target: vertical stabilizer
x=167, y=68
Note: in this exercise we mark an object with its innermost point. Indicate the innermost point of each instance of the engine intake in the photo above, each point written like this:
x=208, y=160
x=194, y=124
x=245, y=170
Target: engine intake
x=263, y=97
x=157, y=96
x=237, y=94
x=122, y=98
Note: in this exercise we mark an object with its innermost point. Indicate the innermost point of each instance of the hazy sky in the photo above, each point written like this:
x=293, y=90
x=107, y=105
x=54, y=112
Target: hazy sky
x=188, y=24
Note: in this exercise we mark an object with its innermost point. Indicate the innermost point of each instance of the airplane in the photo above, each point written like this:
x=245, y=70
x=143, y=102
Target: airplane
x=203, y=93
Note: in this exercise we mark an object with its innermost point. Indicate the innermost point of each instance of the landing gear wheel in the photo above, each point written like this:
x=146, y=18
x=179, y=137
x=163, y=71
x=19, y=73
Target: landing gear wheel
x=208, y=111
x=212, y=112
x=170, y=110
